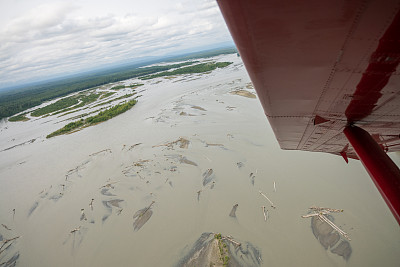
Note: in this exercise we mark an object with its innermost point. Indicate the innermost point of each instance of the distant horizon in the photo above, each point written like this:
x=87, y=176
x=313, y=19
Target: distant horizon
x=108, y=67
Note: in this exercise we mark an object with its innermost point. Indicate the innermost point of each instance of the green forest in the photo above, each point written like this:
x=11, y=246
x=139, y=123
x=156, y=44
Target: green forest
x=102, y=116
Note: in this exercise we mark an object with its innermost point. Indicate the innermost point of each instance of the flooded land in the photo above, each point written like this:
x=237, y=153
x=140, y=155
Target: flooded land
x=190, y=175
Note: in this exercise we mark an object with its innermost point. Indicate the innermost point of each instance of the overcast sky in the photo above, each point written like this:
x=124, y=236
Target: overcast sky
x=40, y=39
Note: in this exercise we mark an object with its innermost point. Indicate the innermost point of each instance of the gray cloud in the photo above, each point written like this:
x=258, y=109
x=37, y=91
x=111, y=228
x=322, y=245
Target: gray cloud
x=56, y=37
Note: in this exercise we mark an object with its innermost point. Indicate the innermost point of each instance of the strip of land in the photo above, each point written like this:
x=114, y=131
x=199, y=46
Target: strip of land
x=101, y=117
x=199, y=68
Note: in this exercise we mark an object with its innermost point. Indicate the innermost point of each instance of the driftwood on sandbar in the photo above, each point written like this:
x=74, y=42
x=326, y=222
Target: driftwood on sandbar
x=321, y=212
x=230, y=239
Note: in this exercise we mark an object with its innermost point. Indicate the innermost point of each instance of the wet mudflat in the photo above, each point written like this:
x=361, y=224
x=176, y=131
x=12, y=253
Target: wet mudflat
x=153, y=186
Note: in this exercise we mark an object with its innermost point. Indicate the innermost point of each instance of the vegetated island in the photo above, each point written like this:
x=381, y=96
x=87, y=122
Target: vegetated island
x=78, y=101
x=72, y=103
x=60, y=104
x=199, y=68
x=133, y=86
x=66, y=104
x=115, y=99
x=101, y=117
x=20, y=117
x=108, y=94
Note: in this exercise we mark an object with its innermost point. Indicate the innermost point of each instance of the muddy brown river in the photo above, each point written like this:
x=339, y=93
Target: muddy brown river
x=152, y=187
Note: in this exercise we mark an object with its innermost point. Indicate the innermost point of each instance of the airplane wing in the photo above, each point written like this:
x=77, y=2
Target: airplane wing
x=324, y=71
